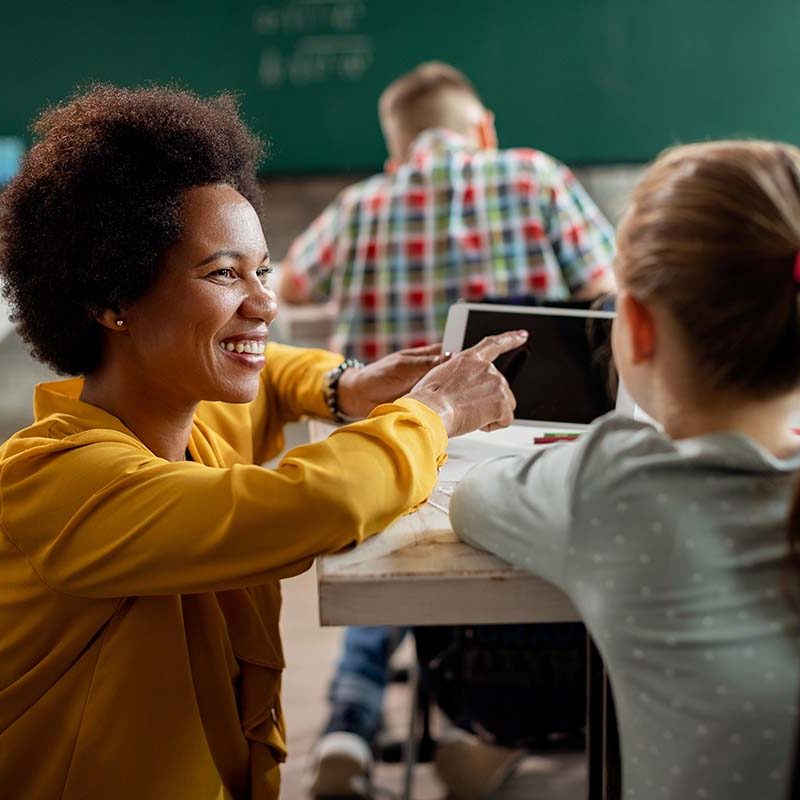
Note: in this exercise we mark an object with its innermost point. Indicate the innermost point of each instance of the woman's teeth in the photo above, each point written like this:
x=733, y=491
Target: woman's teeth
x=254, y=348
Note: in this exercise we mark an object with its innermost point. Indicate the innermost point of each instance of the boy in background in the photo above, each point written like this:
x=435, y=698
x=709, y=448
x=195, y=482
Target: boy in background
x=451, y=217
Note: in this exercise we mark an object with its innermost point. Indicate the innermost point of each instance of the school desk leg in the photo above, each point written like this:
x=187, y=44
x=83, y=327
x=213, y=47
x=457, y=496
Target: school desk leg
x=602, y=740
x=612, y=765
x=594, y=721
x=410, y=748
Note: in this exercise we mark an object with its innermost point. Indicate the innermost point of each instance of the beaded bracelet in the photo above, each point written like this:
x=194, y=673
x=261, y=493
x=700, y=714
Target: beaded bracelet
x=332, y=387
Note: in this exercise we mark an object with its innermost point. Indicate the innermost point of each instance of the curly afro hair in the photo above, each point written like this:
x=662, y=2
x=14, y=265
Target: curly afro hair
x=98, y=201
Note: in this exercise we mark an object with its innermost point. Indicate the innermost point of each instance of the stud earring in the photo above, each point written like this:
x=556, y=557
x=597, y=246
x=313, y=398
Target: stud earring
x=120, y=323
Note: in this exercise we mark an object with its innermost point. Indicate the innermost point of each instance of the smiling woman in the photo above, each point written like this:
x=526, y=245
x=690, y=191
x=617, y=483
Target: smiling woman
x=141, y=544
x=211, y=345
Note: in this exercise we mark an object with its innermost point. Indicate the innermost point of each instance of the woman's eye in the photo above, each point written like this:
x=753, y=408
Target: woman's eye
x=225, y=272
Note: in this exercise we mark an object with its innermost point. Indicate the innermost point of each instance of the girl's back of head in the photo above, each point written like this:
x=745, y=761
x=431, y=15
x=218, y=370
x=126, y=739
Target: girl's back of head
x=713, y=235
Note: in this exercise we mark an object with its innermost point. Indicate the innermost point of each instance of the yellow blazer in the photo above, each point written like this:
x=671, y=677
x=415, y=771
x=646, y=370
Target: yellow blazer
x=140, y=657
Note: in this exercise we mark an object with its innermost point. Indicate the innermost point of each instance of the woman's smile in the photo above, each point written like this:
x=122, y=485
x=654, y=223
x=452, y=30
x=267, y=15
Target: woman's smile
x=247, y=351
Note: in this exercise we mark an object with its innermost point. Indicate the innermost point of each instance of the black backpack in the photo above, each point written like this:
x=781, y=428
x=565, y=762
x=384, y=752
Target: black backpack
x=515, y=685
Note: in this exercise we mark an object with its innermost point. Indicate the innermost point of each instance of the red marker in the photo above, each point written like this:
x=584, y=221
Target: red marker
x=566, y=437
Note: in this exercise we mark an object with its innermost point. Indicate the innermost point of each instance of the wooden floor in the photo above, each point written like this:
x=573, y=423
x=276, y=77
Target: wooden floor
x=311, y=654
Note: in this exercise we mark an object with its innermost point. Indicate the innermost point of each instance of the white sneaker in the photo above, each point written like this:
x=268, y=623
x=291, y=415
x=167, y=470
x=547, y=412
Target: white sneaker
x=339, y=766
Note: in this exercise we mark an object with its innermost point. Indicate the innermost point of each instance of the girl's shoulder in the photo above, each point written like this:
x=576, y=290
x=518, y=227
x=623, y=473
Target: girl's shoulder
x=615, y=439
x=618, y=449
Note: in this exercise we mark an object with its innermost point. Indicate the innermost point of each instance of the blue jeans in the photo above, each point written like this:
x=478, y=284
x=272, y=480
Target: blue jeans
x=356, y=691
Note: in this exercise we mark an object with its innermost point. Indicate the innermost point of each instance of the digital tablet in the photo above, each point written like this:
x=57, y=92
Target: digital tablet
x=562, y=376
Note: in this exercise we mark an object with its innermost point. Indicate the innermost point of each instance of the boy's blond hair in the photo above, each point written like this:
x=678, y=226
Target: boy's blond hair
x=434, y=95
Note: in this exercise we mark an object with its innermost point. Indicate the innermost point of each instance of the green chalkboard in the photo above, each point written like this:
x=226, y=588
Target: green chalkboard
x=589, y=81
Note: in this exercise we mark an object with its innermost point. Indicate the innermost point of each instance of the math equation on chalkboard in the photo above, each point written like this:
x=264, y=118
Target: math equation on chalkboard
x=313, y=42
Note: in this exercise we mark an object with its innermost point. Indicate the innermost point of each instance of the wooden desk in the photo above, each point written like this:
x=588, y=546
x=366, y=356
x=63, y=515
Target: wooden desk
x=417, y=572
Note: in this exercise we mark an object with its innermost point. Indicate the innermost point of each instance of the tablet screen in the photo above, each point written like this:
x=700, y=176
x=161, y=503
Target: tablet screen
x=562, y=373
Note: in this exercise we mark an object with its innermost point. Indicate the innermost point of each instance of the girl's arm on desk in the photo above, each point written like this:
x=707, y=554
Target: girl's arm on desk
x=518, y=507
x=556, y=512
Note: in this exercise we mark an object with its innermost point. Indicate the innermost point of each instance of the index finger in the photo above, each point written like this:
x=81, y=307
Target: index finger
x=490, y=347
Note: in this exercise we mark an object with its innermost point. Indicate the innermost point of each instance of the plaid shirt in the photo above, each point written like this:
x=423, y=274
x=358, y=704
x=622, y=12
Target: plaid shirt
x=395, y=251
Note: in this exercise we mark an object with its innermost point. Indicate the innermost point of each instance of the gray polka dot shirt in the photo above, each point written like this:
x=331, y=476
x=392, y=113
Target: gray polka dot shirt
x=673, y=552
